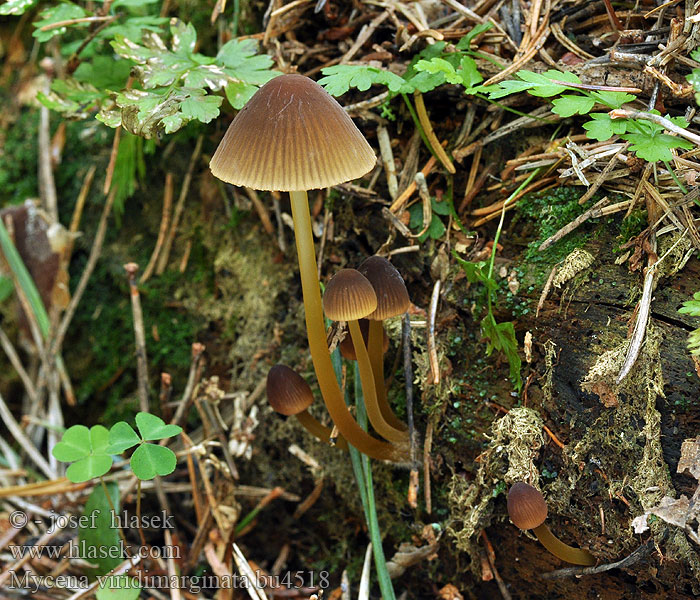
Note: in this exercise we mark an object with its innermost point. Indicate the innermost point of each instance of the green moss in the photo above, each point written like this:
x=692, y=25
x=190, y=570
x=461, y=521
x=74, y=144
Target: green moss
x=550, y=211
x=18, y=173
x=631, y=227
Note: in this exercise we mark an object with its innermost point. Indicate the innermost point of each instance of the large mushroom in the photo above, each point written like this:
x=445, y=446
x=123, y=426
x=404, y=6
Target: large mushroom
x=293, y=136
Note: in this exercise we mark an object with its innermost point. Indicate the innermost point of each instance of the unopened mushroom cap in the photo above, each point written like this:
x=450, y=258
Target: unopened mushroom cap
x=392, y=296
x=526, y=506
x=292, y=135
x=347, y=349
x=348, y=296
x=287, y=392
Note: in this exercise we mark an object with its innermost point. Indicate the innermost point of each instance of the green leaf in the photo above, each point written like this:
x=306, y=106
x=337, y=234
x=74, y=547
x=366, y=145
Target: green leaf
x=99, y=439
x=691, y=307
x=440, y=208
x=542, y=84
x=439, y=65
x=184, y=37
x=469, y=72
x=238, y=93
x=243, y=64
x=104, y=72
x=152, y=427
x=466, y=41
x=338, y=79
x=501, y=336
x=569, y=105
x=426, y=82
x=16, y=7
x=652, y=145
x=118, y=587
x=612, y=99
x=74, y=445
x=694, y=78
x=62, y=12
x=601, y=127
x=476, y=272
x=6, y=287
x=122, y=437
x=201, y=108
x=150, y=460
x=89, y=467
x=507, y=88
x=96, y=533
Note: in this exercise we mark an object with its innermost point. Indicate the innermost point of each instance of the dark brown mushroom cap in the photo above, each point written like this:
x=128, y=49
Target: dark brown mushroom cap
x=392, y=295
x=346, y=347
x=292, y=135
x=526, y=506
x=348, y=296
x=287, y=391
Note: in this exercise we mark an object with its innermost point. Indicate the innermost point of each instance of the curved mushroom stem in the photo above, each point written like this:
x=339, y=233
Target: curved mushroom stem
x=561, y=550
x=375, y=342
x=319, y=430
x=369, y=390
x=316, y=332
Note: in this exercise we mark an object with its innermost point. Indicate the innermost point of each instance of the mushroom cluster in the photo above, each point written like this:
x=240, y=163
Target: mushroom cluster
x=293, y=136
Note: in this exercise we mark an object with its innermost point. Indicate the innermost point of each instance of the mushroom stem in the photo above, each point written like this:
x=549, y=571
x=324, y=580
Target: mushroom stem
x=376, y=357
x=316, y=332
x=369, y=390
x=319, y=430
x=561, y=550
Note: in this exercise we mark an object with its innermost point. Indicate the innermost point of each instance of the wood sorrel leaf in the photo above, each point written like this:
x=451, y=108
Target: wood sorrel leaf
x=149, y=460
x=74, y=445
x=122, y=437
x=152, y=427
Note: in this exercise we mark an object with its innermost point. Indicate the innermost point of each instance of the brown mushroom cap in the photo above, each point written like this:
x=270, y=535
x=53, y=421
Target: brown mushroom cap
x=526, y=506
x=292, y=135
x=287, y=392
x=348, y=296
x=392, y=295
x=347, y=350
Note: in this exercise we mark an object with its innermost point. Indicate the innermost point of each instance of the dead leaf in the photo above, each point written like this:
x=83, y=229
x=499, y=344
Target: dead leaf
x=690, y=457
x=449, y=592
x=406, y=556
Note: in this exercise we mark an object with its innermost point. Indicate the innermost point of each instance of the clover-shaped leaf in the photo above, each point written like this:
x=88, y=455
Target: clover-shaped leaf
x=148, y=460
x=152, y=427
x=87, y=449
x=122, y=437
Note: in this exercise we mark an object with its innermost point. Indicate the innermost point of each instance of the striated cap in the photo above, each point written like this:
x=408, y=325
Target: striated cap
x=347, y=349
x=292, y=135
x=348, y=296
x=392, y=295
x=526, y=506
x=287, y=392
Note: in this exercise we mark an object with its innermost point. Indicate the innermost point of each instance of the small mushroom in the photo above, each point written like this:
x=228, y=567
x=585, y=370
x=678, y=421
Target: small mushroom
x=527, y=509
x=349, y=296
x=293, y=136
x=289, y=394
x=392, y=300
